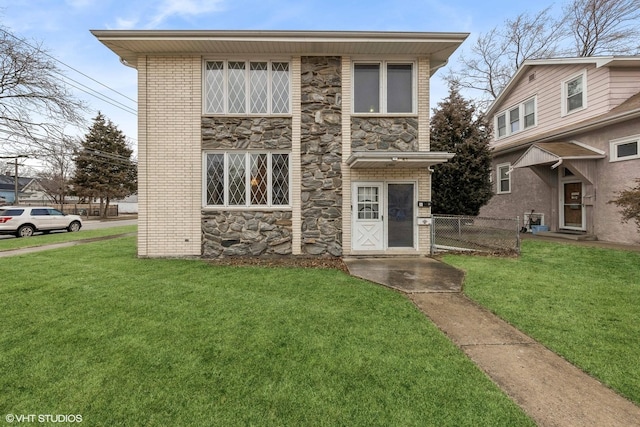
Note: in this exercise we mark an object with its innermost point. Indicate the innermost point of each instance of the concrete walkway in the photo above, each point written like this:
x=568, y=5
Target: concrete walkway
x=549, y=389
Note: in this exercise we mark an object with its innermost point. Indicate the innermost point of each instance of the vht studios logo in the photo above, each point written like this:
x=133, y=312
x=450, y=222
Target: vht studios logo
x=43, y=418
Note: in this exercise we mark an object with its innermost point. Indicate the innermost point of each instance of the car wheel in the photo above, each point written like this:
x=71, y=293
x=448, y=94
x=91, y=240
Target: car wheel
x=25, y=231
x=74, y=226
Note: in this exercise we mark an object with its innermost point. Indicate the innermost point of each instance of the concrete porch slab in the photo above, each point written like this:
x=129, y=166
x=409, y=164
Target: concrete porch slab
x=407, y=274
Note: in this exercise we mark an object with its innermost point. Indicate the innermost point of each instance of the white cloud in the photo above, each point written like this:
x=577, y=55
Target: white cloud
x=185, y=9
x=125, y=24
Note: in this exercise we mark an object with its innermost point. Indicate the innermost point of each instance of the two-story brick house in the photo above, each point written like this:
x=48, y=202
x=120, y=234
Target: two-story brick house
x=259, y=143
x=566, y=141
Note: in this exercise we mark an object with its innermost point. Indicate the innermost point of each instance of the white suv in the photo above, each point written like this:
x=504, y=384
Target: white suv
x=24, y=221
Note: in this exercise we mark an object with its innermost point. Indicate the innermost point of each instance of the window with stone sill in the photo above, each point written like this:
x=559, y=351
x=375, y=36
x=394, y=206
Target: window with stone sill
x=247, y=179
x=247, y=87
x=385, y=87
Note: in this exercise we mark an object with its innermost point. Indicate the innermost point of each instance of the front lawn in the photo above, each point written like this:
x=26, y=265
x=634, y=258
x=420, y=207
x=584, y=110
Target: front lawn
x=581, y=302
x=62, y=237
x=92, y=330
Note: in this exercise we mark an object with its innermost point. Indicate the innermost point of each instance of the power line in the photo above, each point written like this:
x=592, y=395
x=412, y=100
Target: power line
x=68, y=66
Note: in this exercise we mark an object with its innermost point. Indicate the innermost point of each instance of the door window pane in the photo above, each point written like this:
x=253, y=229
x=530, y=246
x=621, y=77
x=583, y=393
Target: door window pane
x=368, y=203
x=366, y=88
x=399, y=88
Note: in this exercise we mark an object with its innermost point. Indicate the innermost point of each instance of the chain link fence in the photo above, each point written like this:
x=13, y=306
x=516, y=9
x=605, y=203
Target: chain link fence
x=470, y=233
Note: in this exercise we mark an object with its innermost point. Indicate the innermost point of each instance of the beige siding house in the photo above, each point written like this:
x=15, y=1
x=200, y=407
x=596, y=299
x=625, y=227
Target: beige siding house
x=566, y=141
x=271, y=143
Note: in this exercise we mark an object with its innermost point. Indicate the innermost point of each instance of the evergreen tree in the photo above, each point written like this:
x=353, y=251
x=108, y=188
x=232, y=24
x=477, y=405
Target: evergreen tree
x=104, y=167
x=462, y=185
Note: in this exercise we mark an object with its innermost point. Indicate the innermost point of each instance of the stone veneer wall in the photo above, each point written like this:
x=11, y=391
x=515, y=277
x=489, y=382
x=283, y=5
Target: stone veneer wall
x=246, y=133
x=321, y=148
x=247, y=232
x=384, y=134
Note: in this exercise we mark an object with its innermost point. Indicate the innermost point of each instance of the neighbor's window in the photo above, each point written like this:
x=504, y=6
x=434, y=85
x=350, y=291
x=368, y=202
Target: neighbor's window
x=504, y=178
x=383, y=87
x=247, y=179
x=246, y=87
x=515, y=119
x=574, y=91
x=624, y=148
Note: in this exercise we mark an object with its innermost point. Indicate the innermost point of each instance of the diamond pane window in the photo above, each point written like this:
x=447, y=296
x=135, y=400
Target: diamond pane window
x=215, y=179
x=247, y=179
x=259, y=179
x=247, y=87
x=214, y=96
x=280, y=87
x=280, y=179
x=237, y=88
x=237, y=179
x=259, y=87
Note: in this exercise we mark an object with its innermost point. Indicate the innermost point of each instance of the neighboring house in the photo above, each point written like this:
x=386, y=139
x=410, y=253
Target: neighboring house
x=566, y=141
x=283, y=142
x=7, y=187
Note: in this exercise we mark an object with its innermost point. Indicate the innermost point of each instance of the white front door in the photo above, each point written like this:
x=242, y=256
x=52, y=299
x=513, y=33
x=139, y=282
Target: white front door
x=368, y=224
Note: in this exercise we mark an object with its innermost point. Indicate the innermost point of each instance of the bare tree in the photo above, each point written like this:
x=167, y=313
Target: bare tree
x=34, y=101
x=497, y=54
x=604, y=27
x=58, y=160
x=585, y=28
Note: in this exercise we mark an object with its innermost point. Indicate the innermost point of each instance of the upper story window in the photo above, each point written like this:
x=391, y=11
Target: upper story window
x=504, y=178
x=515, y=119
x=247, y=87
x=624, y=148
x=574, y=93
x=247, y=179
x=383, y=87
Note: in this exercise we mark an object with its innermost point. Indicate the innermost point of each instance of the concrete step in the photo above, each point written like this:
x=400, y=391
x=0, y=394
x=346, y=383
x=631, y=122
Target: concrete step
x=567, y=235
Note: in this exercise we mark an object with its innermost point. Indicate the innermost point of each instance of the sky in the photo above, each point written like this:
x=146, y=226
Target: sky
x=63, y=27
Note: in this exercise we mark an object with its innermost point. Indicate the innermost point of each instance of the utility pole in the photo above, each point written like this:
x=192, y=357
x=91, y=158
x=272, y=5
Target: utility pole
x=16, y=188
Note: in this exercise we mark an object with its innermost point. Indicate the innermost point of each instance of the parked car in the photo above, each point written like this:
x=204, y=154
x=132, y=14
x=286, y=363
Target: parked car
x=23, y=221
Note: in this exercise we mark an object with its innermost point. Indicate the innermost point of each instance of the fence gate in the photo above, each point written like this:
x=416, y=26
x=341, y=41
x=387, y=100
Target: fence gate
x=471, y=233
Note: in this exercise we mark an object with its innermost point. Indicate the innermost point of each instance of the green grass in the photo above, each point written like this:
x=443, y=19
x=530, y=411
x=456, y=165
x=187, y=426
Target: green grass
x=61, y=237
x=93, y=330
x=581, y=302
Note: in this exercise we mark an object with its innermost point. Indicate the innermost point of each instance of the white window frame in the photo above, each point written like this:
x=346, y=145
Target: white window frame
x=499, y=179
x=613, y=148
x=247, y=79
x=565, y=93
x=247, y=161
x=383, y=86
x=506, y=113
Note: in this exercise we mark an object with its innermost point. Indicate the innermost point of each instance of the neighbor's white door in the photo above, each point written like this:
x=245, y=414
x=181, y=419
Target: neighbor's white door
x=368, y=224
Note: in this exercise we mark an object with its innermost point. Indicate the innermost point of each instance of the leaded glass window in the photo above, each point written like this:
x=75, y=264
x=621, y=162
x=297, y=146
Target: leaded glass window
x=247, y=179
x=247, y=87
